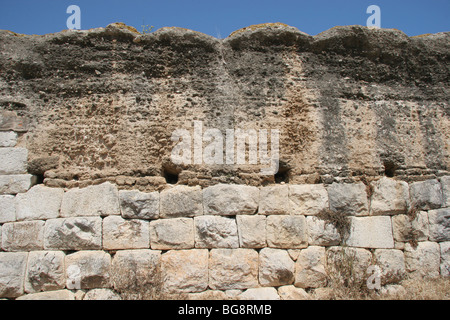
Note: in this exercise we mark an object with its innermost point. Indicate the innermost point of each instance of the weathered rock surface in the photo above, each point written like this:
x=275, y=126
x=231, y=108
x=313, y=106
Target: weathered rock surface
x=371, y=232
x=229, y=200
x=8, y=139
x=45, y=271
x=13, y=160
x=12, y=273
x=139, y=205
x=423, y=261
x=23, y=236
x=181, y=201
x=406, y=228
x=119, y=233
x=16, y=183
x=176, y=233
x=321, y=233
x=7, y=209
x=288, y=232
x=439, y=224
x=39, y=203
x=392, y=265
x=274, y=200
x=216, y=232
x=50, y=295
x=389, y=197
x=259, y=294
x=276, y=268
x=426, y=195
x=348, y=198
x=251, y=231
x=445, y=258
x=308, y=199
x=310, y=268
x=89, y=269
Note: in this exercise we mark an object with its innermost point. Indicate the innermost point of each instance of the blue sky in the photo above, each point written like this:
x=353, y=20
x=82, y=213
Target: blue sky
x=220, y=18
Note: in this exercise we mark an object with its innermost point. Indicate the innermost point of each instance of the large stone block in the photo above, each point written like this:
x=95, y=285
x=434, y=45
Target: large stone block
x=426, y=195
x=184, y=270
x=276, y=267
x=13, y=160
x=423, y=260
x=176, y=233
x=101, y=295
x=292, y=293
x=88, y=269
x=392, y=265
x=45, y=271
x=81, y=233
x=259, y=294
x=229, y=200
x=389, y=197
x=406, y=228
x=233, y=269
x=8, y=139
x=350, y=198
x=439, y=224
x=274, y=200
x=16, y=183
x=348, y=264
x=251, y=231
x=286, y=232
x=50, y=295
x=97, y=200
x=215, y=232
x=23, y=236
x=321, y=233
x=12, y=273
x=139, y=205
x=181, y=201
x=310, y=268
x=445, y=184
x=445, y=258
x=308, y=199
x=120, y=233
x=7, y=209
x=371, y=232
x=39, y=203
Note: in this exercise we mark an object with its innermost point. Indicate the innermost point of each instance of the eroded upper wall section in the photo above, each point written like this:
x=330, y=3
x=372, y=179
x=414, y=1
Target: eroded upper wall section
x=350, y=102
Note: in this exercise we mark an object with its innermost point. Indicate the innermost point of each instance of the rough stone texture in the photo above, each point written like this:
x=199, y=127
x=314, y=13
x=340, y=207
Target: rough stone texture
x=208, y=295
x=286, y=232
x=310, y=268
x=445, y=184
x=12, y=273
x=405, y=229
x=98, y=200
x=177, y=233
x=82, y=233
x=321, y=233
x=119, y=233
x=13, y=160
x=308, y=199
x=39, y=203
x=233, y=269
x=16, y=183
x=445, y=258
x=139, y=205
x=259, y=294
x=181, y=201
x=192, y=277
x=50, y=295
x=7, y=209
x=101, y=294
x=426, y=195
x=8, y=139
x=439, y=224
x=371, y=232
x=93, y=269
x=274, y=200
x=23, y=236
x=45, y=271
x=276, y=268
x=292, y=293
x=392, y=265
x=389, y=197
x=251, y=231
x=340, y=258
x=216, y=232
x=423, y=261
x=349, y=198
x=229, y=200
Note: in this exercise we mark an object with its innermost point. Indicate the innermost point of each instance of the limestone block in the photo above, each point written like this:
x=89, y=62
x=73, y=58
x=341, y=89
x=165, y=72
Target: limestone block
x=439, y=224
x=13, y=160
x=233, y=269
x=88, y=269
x=371, y=232
x=208, y=295
x=349, y=198
x=82, y=233
x=136, y=272
x=215, y=232
x=8, y=139
x=16, y=183
x=308, y=199
x=12, y=273
x=392, y=265
x=120, y=233
x=181, y=201
x=286, y=232
x=423, y=261
x=251, y=231
x=97, y=200
x=23, y=236
x=426, y=195
x=445, y=258
x=389, y=197
x=406, y=229
x=184, y=270
x=50, y=295
x=292, y=293
x=7, y=209
x=101, y=294
x=349, y=264
x=274, y=200
x=445, y=184
x=321, y=233
x=139, y=205
x=229, y=200
x=310, y=267
x=276, y=268
x=39, y=203
x=259, y=294
x=45, y=271
x=177, y=233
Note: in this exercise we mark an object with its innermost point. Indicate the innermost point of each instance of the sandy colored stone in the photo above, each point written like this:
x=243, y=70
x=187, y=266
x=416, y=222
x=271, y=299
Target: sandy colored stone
x=423, y=261
x=39, y=203
x=276, y=268
x=371, y=232
x=389, y=197
x=13, y=160
x=50, y=295
x=229, y=200
x=23, y=236
x=208, y=295
x=310, y=268
x=445, y=258
x=259, y=294
x=216, y=232
x=45, y=271
x=340, y=258
x=181, y=201
x=405, y=229
x=350, y=198
x=139, y=205
x=176, y=233
x=7, y=209
x=308, y=199
x=8, y=139
x=12, y=273
x=251, y=231
x=274, y=200
x=88, y=269
x=445, y=184
x=286, y=232
x=439, y=223
x=426, y=195
x=392, y=265
x=119, y=233
x=292, y=293
x=101, y=294
x=16, y=183
x=321, y=233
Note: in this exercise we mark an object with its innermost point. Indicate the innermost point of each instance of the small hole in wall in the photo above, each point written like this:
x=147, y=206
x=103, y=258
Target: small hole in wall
x=39, y=179
x=282, y=176
x=389, y=169
x=171, y=178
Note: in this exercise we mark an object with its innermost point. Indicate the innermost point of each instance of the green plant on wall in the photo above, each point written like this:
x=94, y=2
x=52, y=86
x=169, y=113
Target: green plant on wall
x=146, y=28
